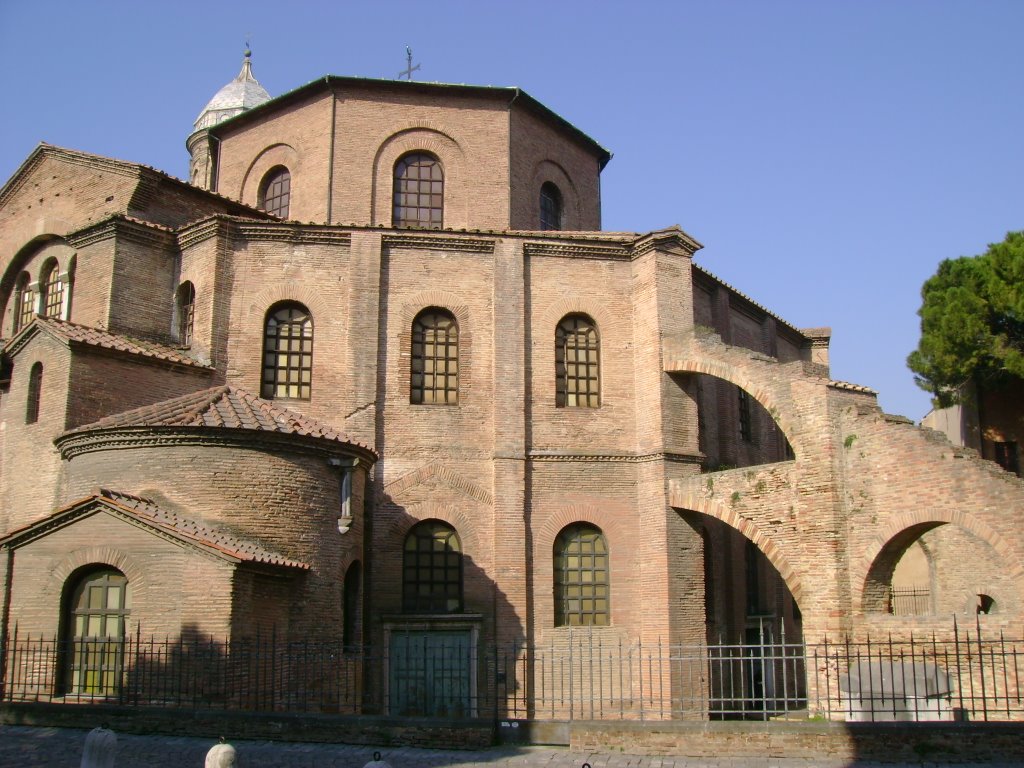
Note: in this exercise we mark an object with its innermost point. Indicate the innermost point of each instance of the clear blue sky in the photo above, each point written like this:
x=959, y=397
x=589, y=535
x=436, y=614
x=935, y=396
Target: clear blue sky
x=827, y=154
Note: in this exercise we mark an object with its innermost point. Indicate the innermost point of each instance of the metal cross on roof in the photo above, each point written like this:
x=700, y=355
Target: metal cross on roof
x=409, y=68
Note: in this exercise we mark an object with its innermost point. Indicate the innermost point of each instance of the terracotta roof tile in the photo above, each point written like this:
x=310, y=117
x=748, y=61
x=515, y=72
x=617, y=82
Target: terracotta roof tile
x=223, y=407
x=96, y=337
x=835, y=384
x=186, y=528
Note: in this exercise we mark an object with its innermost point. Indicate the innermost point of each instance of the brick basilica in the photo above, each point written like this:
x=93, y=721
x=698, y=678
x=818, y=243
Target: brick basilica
x=375, y=375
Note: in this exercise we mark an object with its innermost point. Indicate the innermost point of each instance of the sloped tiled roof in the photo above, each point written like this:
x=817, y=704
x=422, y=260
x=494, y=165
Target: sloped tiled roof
x=94, y=337
x=147, y=512
x=186, y=528
x=225, y=407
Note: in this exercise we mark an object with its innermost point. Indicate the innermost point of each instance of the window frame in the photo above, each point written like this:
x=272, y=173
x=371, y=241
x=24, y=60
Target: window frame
x=35, y=392
x=574, y=333
x=84, y=652
x=552, y=207
x=24, y=302
x=409, y=192
x=51, y=290
x=434, y=345
x=275, y=194
x=577, y=582
x=426, y=550
x=297, y=353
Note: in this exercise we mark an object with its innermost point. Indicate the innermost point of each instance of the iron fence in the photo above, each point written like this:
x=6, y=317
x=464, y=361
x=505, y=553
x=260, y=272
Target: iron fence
x=910, y=601
x=582, y=675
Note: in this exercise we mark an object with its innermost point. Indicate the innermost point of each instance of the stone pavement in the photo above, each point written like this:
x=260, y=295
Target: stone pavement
x=23, y=747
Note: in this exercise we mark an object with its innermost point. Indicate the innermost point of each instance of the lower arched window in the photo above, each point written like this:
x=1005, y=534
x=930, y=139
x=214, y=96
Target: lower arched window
x=35, y=393
x=434, y=375
x=432, y=569
x=581, y=577
x=96, y=611
x=287, y=353
x=185, y=309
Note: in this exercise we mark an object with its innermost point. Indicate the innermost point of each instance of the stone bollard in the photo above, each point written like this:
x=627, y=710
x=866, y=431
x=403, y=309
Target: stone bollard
x=100, y=749
x=377, y=762
x=221, y=755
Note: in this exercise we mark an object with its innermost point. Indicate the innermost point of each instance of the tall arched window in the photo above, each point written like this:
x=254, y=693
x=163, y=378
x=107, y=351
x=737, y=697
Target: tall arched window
x=288, y=352
x=432, y=569
x=184, y=307
x=577, y=363
x=550, y=206
x=418, y=192
x=52, y=289
x=350, y=613
x=97, y=605
x=35, y=390
x=24, y=302
x=276, y=191
x=434, y=375
x=581, y=577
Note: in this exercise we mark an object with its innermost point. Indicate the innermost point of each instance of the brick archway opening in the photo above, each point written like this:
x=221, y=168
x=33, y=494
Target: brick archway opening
x=938, y=568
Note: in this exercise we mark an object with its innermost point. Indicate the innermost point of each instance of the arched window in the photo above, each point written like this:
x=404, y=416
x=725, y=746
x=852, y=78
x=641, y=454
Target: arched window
x=97, y=605
x=52, y=289
x=581, y=577
x=276, y=191
x=350, y=606
x=434, y=375
x=550, y=206
x=418, y=192
x=432, y=569
x=577, y=359
x=288, y=352
x=35, y=389
x=24, y=302
x=184, y=307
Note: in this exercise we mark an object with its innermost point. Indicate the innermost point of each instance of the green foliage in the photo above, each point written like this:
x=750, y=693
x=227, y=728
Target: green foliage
x=972, y=321
x=848, y=442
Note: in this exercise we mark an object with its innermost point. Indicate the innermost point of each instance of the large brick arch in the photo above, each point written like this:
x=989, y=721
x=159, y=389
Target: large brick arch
x=866, y=568
x=424, y=137
x=769, y=548
x=270, y=157
x=30, y=258
x=764, y=392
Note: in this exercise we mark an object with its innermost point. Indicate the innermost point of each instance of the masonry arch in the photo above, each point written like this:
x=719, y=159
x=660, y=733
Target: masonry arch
x=272, y=156
x=778, y=411
x=970, y=568
x=430, y=140
x=550, y=172
x=48, y=249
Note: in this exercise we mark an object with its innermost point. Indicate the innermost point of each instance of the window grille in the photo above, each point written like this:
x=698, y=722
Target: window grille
x=95, y=631
x=276, y=192
x=418, y=192
x=581, y=577
x=288, y=353
x=432, y=569
x=550, y=207
x=577, y=353
x=434, y=375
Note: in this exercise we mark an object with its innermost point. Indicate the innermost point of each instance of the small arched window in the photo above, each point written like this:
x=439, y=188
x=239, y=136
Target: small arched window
x=184, y=307
x=550, y=206
x=96, y=610
x=288, y=352
x=276, y=191
x=52, y=289
x=577, y=363
x=434, y=375
x=24, y=302
x=35, y=391
x=581, y=577
x=418, y=192
x=432, y=569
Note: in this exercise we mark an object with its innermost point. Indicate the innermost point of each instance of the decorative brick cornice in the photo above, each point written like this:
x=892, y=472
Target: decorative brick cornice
x=445, y=242
x=622, y=458
x=73, y=444
x=196, y=233
x=576, y=249
x=669, y=240
x=122, y=228
x=288, y=232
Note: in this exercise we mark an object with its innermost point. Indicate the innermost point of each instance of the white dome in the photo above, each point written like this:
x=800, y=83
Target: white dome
x=242, y=93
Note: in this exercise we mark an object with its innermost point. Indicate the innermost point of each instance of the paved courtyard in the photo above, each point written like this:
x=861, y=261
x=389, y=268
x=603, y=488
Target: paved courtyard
x=62, y=747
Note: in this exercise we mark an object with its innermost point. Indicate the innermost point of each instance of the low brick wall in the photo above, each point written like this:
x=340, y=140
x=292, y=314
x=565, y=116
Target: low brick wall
x=375, y=731
x=882, y=742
